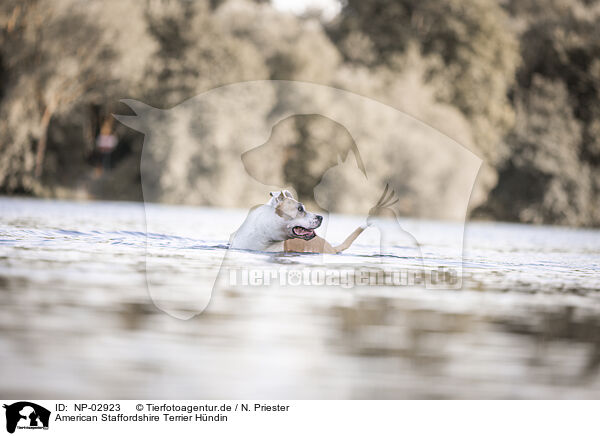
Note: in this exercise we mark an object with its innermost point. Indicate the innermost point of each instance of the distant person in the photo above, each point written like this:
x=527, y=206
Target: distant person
x=106, y=142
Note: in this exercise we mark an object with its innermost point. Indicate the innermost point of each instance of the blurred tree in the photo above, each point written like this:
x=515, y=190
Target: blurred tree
x=194, y=52
x=561, y=40
x=556, y=145
x=474, y=54
x=293, y=48
x=56, y=57
x=450, y=63
x=30, y=42
x=544, y=180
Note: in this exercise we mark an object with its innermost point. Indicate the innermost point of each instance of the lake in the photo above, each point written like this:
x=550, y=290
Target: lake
x=79, y=320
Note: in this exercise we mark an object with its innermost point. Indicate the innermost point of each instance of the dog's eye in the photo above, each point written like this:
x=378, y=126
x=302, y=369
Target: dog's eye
x=300, y=208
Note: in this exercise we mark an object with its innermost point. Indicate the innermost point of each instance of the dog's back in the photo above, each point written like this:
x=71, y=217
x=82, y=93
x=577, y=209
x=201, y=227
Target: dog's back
x=320, y=245
x=315, y=245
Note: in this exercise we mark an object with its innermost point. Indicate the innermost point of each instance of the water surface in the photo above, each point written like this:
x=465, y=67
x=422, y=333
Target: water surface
x=77, y=319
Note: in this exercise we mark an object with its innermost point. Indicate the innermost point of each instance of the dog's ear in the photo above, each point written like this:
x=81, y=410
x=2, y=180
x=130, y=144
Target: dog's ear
x=287, y=194
x=277, y=197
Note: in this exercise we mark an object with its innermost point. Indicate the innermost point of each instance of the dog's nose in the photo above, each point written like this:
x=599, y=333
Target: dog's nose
x=320, y=218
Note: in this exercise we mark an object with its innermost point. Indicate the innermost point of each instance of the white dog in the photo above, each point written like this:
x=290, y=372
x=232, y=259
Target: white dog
x=269, y=225
x=284, y=224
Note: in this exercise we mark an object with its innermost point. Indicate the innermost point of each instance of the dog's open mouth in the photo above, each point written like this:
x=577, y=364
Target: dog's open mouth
x=301, y=232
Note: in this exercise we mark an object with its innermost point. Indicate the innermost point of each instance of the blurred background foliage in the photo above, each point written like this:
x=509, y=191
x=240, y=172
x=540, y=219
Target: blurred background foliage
x=515, y=81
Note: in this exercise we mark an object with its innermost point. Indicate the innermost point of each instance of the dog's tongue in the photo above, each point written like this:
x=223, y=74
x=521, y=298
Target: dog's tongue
x=301, y=231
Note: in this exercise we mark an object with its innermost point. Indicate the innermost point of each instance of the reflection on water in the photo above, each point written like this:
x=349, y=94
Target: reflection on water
x=77, y=320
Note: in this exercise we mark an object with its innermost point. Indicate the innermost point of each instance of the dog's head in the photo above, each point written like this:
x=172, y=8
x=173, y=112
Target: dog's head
x=299, y=222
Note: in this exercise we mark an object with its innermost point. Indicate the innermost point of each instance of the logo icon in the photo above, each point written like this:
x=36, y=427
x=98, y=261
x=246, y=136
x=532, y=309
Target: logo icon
x=26, y=415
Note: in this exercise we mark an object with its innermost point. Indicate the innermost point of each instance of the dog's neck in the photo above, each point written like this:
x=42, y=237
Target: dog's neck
x=262, y=230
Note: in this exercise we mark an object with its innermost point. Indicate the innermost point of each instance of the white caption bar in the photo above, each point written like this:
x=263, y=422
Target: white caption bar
x=150, y=417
